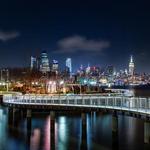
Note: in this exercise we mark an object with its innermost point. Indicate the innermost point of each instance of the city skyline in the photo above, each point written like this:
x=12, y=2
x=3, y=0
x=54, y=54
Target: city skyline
x=37, y=62
x=74, y=74
x=104, y=34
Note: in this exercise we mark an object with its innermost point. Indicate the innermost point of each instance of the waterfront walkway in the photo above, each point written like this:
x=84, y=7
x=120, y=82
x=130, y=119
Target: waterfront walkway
x=115, y=102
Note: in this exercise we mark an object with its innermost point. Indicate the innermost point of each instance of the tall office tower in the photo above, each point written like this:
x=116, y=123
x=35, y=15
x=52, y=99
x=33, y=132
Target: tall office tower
x=88, y=69
x=33, y=63
x=131, y=66
x=44, y=64
x=55, y=66
x=69, y=65
x=38, y=61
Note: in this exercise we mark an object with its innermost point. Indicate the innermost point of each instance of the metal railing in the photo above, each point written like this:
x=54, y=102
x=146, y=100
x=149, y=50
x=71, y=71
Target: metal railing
x=134, y=104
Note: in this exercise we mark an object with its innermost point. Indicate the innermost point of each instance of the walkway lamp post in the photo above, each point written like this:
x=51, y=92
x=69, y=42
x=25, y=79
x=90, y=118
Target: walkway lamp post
x=7, y=86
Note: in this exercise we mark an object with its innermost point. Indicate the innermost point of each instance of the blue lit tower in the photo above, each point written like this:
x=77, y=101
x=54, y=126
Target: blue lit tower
x=33, y=63
x=44, y=65
x=69, y=65
x=131, y=66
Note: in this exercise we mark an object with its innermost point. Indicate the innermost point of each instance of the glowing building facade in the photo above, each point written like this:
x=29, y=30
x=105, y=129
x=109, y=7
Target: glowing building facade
x=44, y=65
x=55, y=66
x=33, y=63
x=69, y=65
x=131, y=66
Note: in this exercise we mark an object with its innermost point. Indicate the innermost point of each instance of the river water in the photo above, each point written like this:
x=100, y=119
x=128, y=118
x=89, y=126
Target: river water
x=71, y=132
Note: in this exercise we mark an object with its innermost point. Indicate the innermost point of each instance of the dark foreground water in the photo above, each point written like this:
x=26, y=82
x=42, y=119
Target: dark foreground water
x=71, y=133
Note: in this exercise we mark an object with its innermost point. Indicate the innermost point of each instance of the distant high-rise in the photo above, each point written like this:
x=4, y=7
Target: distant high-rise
x=88, y=69
x=33, y=63
x=44, y=64
x=131, y=66
x=55, y=66
x=69, y=65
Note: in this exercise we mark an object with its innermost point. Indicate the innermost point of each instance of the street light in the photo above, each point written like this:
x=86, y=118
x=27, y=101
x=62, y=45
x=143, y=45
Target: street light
x=61, y=82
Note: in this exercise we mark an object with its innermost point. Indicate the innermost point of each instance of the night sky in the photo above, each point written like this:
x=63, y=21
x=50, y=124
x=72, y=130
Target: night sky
x=92, y=31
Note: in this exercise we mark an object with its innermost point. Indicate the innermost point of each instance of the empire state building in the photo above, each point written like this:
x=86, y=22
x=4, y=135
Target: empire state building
x=131, y=66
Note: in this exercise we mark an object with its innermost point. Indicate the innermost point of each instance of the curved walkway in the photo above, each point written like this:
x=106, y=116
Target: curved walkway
x=130, y=104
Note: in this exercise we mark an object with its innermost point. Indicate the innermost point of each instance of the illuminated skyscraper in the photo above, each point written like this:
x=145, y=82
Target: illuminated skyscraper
x=131, y=66
x=55, y=66
x=69, y=65
x=44, y=65
x=88, y=69
x=33, y=63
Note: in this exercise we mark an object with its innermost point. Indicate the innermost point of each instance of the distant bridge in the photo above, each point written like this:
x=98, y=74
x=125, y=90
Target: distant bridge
x=119, y=103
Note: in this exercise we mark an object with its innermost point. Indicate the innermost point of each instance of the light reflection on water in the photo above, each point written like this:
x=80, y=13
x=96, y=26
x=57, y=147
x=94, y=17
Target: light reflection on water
x=71, y=132
x=35, y=139
x=62, y=136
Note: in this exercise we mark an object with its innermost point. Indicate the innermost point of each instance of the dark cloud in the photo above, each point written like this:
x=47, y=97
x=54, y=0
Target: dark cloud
x=78, y=43
x=8, y=35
